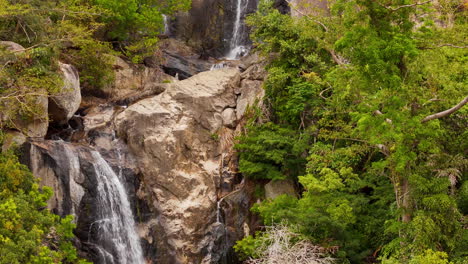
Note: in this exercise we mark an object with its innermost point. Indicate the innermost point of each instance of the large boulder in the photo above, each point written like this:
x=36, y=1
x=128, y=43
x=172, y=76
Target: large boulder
x=64, y=104
x=131, y=78
x=35, y=126
x=276, y=188
x=32, y=126
x=173, y=137
x=11, y=46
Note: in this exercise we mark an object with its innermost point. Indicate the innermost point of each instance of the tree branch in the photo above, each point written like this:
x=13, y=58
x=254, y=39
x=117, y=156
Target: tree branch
x=446, y=112
x=403, y=6
x=303, y=14
x=336, y=58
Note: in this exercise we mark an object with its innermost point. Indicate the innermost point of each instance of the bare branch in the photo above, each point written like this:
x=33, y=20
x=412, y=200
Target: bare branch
x=321, y=93
x=404, y=6
x=452, y=46
x=446, y=112
x=337, y=58
x=25, y=31
x=377, y=112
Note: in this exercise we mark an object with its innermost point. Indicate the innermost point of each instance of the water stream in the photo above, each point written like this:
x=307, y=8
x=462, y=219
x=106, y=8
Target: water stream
x=166, y=25
x=236, y=46
x=116, y=238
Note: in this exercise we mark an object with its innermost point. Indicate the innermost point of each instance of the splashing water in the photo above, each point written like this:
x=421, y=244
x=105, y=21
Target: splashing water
x=116, y=240
x=236, y=47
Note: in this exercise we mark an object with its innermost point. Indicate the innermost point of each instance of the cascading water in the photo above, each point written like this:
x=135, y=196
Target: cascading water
x=166, y=25
x=114, y=230
x=236, y=46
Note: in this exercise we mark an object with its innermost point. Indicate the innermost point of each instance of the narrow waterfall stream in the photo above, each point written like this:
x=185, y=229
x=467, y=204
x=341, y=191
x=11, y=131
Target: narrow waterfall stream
x=236, y=46
x=115, y=234
x=166, y=24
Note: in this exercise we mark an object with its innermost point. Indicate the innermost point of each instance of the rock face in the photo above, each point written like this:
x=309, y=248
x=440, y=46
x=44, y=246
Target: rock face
x=172, y=136
x=178, y=59
x=208, y=26
x=64, y=104
x=11, y=46
x=73, y=171
x=274, y=189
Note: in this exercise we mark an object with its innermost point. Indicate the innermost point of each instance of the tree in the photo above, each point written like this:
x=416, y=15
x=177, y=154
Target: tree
x=370, y=83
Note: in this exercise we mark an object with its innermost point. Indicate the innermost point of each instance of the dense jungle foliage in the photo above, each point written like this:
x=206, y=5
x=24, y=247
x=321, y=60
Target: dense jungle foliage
x=356, y=97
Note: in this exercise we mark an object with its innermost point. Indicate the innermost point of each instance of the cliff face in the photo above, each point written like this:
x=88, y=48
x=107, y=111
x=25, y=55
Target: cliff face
x=172, y=144
x=208, y=26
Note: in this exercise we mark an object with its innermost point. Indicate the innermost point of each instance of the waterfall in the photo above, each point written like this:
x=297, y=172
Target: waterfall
x=236, y=46
x=166, y=25
x=115, y=237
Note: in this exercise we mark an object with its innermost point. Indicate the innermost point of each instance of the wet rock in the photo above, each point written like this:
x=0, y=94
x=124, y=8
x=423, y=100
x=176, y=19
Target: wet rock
x=183, y=67
x=70, y=169
x=64, y=104
x=55, y=165
x=208, y=26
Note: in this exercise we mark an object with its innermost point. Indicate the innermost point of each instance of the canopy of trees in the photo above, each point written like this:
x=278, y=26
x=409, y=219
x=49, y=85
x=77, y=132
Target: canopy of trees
x=365, y=102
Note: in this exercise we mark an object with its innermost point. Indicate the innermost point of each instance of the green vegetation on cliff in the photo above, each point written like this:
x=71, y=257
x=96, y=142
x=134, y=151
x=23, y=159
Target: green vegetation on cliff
x=357, y=98
x=79, y=32
x=30, y=233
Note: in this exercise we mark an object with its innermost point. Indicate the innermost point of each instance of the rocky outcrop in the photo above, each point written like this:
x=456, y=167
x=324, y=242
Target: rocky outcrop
x=11, y=46
x=57, y=107
x=178, y=60
x=173, y=137
x=132, y=78
x=274, y=189
x=34, y=126
x=12, y=138
x=64, y=104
